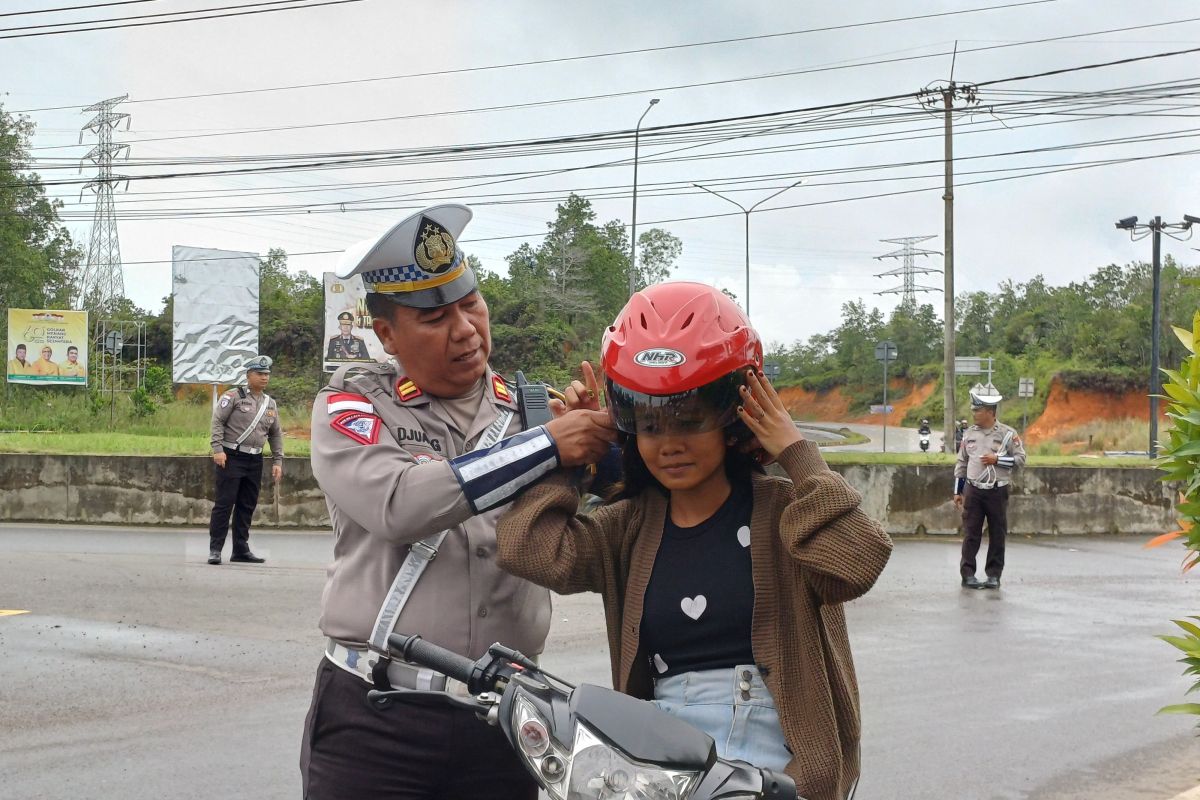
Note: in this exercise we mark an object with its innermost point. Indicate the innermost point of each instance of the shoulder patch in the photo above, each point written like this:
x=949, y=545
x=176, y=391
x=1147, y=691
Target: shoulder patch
x=361, y=427
x=500, y=389
x=224, y=402
x=407, y=390
x=345, y=401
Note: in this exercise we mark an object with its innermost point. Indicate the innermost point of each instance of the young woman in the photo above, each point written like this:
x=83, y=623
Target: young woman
x=722, y=585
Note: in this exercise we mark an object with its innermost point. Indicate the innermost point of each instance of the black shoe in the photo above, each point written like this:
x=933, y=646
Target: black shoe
x=969, y=582
x=214, y=556
x=246, y=557
x=993, y=582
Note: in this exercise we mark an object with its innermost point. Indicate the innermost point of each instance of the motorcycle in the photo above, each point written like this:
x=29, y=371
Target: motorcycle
x=586, y=742
x=924, y=442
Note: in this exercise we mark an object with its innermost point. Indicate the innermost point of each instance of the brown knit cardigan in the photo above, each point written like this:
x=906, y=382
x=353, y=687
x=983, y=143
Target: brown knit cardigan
x=811, y=549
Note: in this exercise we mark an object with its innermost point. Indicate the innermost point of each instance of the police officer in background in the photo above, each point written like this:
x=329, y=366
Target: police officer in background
x=244, y=418
x=989, y=453
x=346, y=346
x=417, y=460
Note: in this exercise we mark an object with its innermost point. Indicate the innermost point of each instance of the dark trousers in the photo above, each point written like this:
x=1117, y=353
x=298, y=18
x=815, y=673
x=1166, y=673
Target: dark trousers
x=353, y=750
x=978, y=505
x=237, y=491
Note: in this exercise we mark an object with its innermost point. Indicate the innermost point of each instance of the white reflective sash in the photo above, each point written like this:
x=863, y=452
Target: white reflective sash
x=421, y=553
x=254, y=423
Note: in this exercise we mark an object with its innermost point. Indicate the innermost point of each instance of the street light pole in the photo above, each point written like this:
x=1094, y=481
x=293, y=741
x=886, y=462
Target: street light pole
x=1155, y=227
x=748, y=212
x=633, y=226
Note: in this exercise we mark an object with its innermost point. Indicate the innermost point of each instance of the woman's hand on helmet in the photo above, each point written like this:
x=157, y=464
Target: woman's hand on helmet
x=583, y=436
x=765, y=415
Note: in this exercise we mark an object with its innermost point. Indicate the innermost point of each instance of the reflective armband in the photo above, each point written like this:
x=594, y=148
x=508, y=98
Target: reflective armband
x=495, y=475
x=1008, y=462
x=959, y=483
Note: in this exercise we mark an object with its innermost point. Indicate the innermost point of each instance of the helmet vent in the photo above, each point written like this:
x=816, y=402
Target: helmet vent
x=687, y=321
x=644, y=325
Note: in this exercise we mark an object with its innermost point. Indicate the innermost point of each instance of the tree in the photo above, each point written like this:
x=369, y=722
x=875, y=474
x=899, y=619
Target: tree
x=38, y=260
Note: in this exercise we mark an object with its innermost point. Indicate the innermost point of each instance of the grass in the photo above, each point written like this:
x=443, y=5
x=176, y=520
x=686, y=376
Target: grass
x=126, y=444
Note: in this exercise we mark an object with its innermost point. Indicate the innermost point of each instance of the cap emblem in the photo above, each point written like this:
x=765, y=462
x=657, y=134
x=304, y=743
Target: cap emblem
x=434, y=251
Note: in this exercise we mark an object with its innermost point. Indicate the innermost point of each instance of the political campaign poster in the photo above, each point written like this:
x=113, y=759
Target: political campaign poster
x=47, y=346
x=348, y=335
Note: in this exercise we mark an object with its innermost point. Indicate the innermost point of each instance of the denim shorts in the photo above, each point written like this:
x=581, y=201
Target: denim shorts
x=734, y=707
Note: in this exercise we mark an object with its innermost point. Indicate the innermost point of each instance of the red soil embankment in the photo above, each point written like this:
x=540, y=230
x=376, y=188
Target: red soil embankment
x=1068, y=409
x=833, y=406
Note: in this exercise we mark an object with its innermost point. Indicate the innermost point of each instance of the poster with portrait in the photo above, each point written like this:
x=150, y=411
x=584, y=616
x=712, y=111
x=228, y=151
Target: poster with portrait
x=348, y=336
x=47, y=346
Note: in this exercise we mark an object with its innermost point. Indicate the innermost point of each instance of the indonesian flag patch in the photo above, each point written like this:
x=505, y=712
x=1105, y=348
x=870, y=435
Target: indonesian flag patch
x=345, y=401
x=359, y=426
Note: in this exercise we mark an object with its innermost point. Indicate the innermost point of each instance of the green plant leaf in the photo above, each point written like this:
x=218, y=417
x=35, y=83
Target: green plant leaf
x=1190, y=627
x=1182, y=708
x=1186, y=337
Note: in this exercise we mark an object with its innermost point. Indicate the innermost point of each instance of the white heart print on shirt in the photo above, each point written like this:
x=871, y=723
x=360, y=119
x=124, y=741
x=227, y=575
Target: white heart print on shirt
x=744, y=536
x=694, y=608
x=659, y=664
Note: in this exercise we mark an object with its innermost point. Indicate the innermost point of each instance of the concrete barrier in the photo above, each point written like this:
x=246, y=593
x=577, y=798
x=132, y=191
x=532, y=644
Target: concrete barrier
x=909, y=499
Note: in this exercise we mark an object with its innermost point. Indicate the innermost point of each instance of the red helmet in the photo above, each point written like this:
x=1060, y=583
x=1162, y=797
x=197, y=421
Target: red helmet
x=674, y=358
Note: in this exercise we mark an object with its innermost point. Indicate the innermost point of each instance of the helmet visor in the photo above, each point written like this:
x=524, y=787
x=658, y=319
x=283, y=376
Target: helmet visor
x=706, y=408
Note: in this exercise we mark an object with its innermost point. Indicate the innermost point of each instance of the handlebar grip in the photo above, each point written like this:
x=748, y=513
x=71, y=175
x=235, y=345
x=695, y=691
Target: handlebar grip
x=418, y=651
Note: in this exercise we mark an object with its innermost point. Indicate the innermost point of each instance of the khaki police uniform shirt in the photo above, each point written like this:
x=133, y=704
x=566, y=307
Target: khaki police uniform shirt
x=234, y=414
x=976, y=442
x=380, y=450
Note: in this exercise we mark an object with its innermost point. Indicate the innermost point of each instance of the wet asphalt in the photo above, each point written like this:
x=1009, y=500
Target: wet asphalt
x=141, y=672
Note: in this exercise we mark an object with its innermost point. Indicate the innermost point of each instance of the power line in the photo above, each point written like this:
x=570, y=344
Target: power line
x=29, y=33
x=74, y=8
x=567, y=59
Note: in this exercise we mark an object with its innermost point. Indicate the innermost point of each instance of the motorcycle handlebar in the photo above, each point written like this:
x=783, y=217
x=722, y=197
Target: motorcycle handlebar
x=418, y=651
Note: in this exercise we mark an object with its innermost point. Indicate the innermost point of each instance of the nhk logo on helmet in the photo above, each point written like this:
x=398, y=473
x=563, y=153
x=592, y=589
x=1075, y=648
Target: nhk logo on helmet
x=659, y=357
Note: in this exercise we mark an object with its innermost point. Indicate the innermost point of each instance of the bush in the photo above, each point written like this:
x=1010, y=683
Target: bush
x=143, y=404
x=158, y=383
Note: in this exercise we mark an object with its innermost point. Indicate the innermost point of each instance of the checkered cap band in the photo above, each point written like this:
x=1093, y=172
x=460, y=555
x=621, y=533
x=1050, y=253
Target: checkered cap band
x=410, y=273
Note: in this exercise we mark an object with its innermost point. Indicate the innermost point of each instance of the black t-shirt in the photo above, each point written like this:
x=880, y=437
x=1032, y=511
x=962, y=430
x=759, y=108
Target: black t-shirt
x=699, y=603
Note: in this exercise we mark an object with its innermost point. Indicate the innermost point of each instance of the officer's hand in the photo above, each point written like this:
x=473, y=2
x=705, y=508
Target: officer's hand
x=219, y=458
x=276, y=471
x=582, y=436
x=987, y=459
x=958, y=501
x=584, y=393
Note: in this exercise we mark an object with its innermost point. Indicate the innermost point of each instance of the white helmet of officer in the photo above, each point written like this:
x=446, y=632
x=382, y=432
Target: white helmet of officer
x=985, y=395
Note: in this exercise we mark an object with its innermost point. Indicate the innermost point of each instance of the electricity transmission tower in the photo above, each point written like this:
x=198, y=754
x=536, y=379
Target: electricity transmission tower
x=103, y=280
x=909, y=269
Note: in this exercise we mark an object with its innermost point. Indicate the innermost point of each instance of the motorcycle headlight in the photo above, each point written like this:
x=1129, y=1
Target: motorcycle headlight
x=538, y=750
x=598, y=770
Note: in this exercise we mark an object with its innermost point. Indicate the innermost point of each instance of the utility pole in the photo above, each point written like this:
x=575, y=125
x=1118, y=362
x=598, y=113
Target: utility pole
x=945, y=94
x=103, y=280
x=909, y=270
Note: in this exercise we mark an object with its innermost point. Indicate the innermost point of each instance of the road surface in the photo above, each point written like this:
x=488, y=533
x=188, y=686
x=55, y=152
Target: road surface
x=140, y=672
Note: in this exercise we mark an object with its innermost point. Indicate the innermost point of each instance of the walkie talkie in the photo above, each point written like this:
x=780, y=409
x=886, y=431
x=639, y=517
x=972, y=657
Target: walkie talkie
x=533, y=401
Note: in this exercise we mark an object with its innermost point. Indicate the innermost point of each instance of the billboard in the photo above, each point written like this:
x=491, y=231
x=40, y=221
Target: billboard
x=47, y=346
x=348, y=336
x=215, y=314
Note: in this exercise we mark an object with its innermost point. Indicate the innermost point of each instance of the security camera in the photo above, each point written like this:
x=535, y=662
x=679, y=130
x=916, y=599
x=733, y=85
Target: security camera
x=1190, y=220
x=1127, y=223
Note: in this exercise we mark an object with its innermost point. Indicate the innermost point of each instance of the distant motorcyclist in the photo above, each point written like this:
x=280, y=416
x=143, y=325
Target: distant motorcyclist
x=924, y=430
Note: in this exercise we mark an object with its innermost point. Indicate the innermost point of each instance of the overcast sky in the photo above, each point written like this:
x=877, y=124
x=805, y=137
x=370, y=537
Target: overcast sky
x=806, y=260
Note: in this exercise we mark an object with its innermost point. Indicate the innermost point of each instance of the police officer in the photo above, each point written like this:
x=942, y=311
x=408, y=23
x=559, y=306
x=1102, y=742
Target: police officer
x=989, y=453
x=346, y=346
x=417, y=459
x=243, y=420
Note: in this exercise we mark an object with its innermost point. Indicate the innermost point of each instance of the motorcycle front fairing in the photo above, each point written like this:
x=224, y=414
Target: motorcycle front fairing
x=592, y=743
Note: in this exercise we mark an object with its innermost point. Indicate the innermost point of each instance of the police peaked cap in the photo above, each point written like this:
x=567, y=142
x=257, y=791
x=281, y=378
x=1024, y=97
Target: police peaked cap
x=417, y=262
x=985, y=396
x=259, y=364
x=345, y=316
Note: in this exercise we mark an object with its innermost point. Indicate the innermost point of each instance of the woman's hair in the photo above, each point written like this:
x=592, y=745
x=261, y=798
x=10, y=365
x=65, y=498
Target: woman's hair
x=637, y=478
